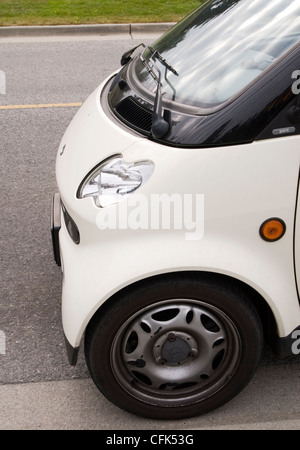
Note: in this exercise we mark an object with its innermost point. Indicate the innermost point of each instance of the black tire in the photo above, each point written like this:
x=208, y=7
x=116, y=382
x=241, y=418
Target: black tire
x=173, y=348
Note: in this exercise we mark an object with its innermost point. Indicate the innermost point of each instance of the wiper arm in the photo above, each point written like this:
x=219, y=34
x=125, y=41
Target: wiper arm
x=160, y=126
x=127, y=56
x=150, y=69
x=162, y=60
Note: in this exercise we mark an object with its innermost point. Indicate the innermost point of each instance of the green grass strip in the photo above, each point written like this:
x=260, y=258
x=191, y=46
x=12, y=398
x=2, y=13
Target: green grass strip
x=54, y=12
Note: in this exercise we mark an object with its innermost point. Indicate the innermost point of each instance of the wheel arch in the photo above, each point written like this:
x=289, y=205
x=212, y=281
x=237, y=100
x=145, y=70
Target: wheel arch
x=259, y=302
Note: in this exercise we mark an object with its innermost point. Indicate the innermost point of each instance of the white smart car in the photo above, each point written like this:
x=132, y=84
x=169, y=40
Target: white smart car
x=177, y=219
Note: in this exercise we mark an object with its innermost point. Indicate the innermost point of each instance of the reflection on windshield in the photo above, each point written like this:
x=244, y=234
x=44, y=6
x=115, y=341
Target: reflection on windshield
x=222, y=47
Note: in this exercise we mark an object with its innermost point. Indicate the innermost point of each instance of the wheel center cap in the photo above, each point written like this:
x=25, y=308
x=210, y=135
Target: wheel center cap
x=175, y=351
x=175, y=348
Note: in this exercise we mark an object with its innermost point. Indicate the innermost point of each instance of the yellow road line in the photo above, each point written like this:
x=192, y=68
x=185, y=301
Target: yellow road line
x=46, y=105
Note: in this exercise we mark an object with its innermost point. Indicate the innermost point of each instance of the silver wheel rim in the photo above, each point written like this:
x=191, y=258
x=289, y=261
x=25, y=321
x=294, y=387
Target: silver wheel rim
x=175, y=352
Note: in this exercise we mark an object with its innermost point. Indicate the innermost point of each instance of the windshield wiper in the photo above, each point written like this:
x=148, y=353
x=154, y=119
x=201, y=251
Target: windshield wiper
x=127, y=56
x=156, y=54
x=160, y=126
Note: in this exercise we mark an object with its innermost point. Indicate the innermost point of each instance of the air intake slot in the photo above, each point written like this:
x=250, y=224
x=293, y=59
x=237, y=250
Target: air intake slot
x=135, y=115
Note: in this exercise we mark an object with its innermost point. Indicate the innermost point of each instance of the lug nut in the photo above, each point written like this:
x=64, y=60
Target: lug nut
x=160, y=360
x=171, y=337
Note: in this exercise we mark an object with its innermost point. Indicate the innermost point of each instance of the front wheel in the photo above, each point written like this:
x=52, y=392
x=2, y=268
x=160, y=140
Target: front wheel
x=173, y=348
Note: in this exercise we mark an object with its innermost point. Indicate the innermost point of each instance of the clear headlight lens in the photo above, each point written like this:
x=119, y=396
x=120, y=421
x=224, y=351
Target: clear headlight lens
x=114, y=179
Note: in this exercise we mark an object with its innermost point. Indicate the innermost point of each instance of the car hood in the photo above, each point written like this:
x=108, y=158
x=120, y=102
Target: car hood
x=90, y=138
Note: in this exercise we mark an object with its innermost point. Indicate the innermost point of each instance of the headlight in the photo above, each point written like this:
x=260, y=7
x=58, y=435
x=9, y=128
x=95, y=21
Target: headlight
x=113, y=179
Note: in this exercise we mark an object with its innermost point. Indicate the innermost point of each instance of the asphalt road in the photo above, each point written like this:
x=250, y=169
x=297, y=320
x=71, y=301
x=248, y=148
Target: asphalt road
x=38, y=389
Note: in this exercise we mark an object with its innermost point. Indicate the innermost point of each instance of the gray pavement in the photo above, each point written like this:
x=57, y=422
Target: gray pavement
x=267, y=403
x=38, y=390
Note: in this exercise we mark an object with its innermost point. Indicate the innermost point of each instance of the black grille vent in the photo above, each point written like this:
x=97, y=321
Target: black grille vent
x=135, y=114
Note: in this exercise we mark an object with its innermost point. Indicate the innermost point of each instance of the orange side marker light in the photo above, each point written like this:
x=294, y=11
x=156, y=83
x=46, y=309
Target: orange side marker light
x=272, y=229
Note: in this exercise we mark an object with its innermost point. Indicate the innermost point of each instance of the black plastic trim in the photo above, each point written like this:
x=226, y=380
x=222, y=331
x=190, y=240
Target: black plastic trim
x=55, y=227
x=283, y=346
x=71, y=226
x=72, y=353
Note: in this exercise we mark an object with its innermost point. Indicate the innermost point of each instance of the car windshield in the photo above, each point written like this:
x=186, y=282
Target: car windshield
x=220, y=49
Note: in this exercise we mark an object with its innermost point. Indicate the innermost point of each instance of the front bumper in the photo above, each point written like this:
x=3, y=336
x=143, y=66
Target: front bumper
x=72, y=352
x=55, y=227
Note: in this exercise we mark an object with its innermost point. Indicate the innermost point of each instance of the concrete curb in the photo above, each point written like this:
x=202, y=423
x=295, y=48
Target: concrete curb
x=95, y=29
